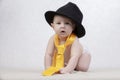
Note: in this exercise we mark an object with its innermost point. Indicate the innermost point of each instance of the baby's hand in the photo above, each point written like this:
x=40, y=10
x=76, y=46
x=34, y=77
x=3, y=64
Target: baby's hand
x=64, y=71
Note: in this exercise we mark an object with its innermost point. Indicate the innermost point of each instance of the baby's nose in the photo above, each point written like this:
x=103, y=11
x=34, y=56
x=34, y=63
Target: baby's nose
x=62, y=25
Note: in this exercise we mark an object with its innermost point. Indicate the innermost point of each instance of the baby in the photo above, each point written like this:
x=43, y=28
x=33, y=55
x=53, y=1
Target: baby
x=64, y=52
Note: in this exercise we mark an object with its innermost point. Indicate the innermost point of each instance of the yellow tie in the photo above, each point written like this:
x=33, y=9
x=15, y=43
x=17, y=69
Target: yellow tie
x=58, y=58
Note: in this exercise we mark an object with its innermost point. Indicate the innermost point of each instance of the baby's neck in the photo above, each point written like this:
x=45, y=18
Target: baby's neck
x=62, y=40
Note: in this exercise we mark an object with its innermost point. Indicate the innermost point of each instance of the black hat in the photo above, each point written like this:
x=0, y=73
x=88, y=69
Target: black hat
x=71, y=11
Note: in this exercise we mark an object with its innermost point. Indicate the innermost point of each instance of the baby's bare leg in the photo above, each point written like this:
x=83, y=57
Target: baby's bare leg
x=84, y=62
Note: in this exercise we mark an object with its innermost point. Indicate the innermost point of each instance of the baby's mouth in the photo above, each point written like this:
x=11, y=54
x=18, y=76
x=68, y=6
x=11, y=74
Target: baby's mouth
x=62, y=31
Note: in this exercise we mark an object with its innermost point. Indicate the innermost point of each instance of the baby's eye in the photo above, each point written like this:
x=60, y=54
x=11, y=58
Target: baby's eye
x=58, y=23
x=67, y=23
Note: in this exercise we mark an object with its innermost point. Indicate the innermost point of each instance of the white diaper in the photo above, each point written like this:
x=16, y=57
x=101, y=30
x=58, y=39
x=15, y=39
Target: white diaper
x=85, y=49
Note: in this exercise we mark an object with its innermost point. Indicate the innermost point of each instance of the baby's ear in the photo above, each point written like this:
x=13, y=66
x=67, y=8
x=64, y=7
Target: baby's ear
x=51, y=24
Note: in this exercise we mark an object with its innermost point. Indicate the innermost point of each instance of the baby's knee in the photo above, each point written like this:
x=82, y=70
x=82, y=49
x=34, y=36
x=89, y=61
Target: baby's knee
x=82, y=68
x=84, y=62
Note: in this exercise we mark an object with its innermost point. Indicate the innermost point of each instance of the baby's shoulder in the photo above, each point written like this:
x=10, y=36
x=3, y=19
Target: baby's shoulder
x=76, y=42
x=52, y=37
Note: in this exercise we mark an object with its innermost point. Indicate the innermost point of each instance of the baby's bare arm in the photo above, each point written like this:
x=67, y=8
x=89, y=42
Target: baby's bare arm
x=49, y=53
x=76, y=51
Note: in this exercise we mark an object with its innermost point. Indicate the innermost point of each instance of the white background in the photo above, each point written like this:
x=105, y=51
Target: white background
x=24, y=33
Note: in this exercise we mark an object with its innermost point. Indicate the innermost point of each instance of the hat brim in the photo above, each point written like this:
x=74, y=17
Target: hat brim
x=79, y=29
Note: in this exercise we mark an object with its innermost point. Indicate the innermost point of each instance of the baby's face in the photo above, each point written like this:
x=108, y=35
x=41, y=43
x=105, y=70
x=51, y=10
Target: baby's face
x=62, y=26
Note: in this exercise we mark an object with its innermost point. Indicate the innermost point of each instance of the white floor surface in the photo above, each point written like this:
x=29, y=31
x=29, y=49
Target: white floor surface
x=96, y=74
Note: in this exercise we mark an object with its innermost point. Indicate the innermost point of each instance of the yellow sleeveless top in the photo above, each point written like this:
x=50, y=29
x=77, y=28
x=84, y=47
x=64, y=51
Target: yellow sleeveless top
x=58, y=58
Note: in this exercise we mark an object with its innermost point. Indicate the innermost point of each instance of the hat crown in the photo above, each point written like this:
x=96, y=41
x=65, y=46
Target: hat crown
x=72, y=11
